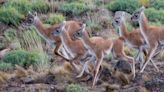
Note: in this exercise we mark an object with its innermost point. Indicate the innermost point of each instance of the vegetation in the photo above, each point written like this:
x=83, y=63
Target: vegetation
x=155, y=15
x=123, y=5
x=158, y=4
x=55, y=18
x=75, y=88
x=37, y=61
x=41, y=6
x=5, y=66
x=10, y=34
x=23, y=6
x=10, y=16
x=21, y=57
x=74, y=8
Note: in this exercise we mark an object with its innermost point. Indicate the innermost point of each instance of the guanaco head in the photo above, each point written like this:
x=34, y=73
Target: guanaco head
x=136, y=16
x=118, y=20
x=79, y=34
x=31, y=18
x=58, y=31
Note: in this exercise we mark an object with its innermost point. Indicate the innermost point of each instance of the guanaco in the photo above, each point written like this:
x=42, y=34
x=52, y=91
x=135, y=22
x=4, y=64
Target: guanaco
x=45, y=33
x=133, y=39
x=154, y=36
x=74, y=47
x=100, y=47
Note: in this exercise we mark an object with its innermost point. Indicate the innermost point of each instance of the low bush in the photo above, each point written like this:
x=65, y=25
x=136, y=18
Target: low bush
x=74, y=8
x=158, y=4
x=21, y=57
x=75, y=88
x=10, y=16
x=123, y=5
x=23, y=6
x=155, y=15
x=55, y=18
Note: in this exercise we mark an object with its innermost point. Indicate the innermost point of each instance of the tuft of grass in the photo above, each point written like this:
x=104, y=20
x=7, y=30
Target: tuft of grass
x=10, y=34
x=10, y=16
x=32, y=42
x=93, y=25
x=75, y=88
x=5, y=66
x=55, y=18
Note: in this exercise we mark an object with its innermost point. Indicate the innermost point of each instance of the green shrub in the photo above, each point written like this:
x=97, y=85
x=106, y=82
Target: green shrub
x=23, y=6
x=156, y=23
x=5, y=66
x=155, y=15
x=55, y=18
x=21, y=57
x=75, y=88
x=123, y=5
x=10, y=16
x=41, y=6
x=74, y=8
x=158, y=4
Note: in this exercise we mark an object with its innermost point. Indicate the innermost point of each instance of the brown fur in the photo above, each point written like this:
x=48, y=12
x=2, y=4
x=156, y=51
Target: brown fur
x=99, y=46
x=153, y=34
x=71, y=26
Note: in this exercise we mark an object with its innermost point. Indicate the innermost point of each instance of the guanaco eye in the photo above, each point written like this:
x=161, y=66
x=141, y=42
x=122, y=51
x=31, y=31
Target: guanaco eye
x=78, y=33
x=117, y=21
x=136, y=16
x=57, y=31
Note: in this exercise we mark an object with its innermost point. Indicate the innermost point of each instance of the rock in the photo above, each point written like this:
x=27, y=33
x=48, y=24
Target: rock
x=4, y=52
x=123, y=66
x=121, y=76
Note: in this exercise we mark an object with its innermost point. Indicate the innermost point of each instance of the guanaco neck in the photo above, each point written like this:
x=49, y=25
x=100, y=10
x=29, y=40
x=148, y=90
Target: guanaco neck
x=67, y=41
x=143, y=24
x=39, y=25
x=122, y=29
x=86, y=41
x=41, y=30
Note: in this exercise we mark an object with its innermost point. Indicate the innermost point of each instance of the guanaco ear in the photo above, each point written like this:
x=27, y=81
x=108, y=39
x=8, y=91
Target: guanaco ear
x=63, y=25
x=35, y=14
x=83, y=27
x=142, y=8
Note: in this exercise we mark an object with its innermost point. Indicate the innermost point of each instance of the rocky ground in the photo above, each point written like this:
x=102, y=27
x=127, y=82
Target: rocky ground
x=149, y=81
